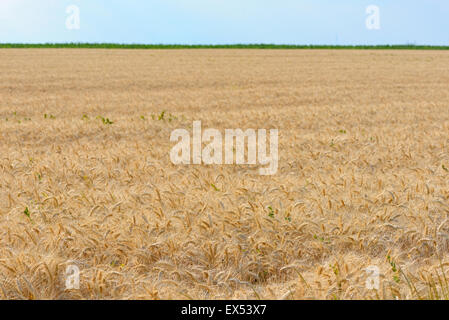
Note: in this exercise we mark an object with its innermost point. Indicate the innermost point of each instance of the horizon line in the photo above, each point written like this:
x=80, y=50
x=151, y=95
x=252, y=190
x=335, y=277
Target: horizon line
x=107, y=45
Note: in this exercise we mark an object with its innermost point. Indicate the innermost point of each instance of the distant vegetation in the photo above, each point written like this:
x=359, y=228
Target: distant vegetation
x=215, y=46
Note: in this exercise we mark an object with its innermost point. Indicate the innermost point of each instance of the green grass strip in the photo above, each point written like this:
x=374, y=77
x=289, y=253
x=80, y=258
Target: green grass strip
x=216, y=46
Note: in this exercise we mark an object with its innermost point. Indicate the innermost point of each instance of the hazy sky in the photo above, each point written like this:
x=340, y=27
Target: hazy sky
x=226, y=21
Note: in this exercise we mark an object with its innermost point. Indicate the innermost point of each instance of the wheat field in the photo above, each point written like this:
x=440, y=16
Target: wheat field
x=86, y=178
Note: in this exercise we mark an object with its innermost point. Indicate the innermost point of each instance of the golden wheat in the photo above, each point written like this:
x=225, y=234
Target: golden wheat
x=86, y=179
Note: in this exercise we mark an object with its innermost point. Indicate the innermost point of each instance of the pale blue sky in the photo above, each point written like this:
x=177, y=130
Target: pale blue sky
x=226, y=21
